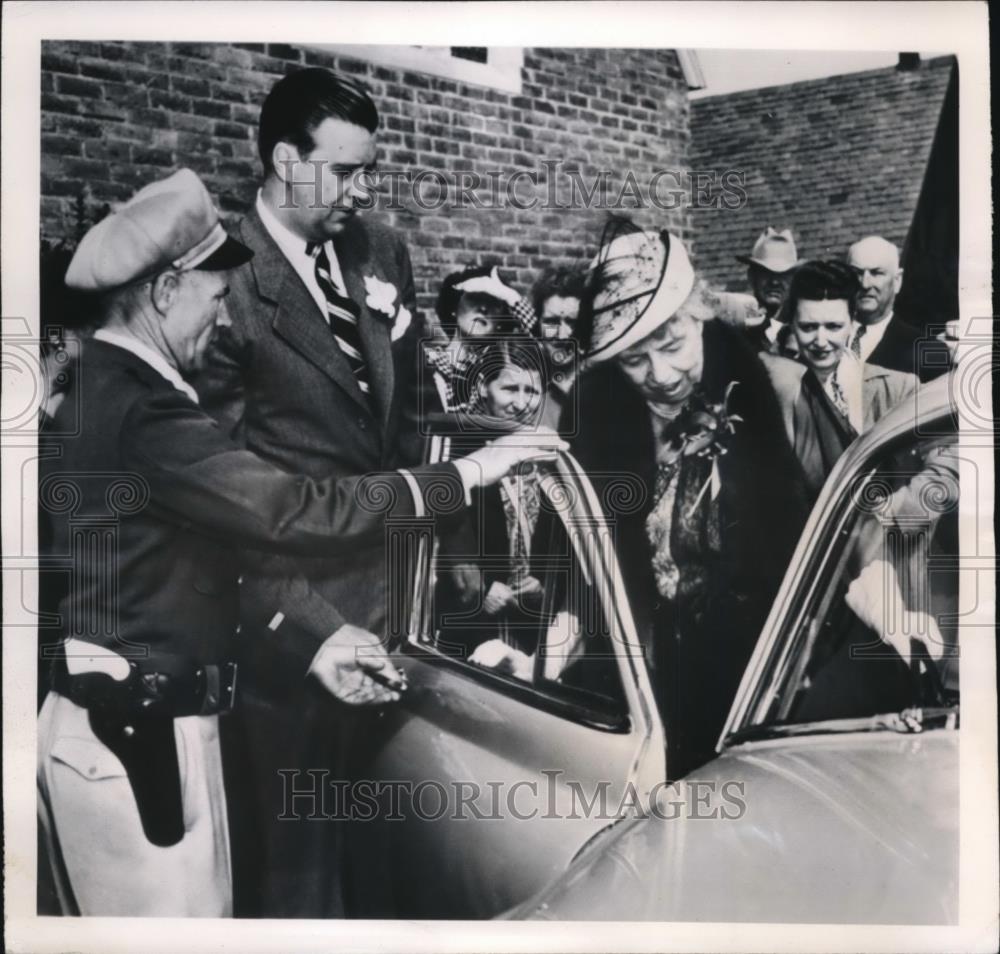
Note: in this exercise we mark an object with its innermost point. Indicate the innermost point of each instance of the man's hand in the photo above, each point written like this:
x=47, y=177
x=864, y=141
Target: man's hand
x=490, y=285
x=490, y=463
x=499, y=596
x=354, y=668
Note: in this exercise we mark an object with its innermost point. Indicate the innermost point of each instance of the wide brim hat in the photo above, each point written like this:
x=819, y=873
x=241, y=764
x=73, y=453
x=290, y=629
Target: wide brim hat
x=642, y=278
x=774, y=251
x=169, y=224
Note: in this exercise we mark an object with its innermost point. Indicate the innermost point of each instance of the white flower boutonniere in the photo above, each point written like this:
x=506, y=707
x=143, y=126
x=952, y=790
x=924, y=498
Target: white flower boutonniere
x=381, y=296
x=402, y=322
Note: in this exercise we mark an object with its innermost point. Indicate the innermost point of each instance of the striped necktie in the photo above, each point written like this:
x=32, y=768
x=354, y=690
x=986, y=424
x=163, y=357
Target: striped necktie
x=856, y=341
x=343, y=317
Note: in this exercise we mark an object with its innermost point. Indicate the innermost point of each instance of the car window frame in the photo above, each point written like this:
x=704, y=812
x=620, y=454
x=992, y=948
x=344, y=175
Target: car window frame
x=599, y=564
x=784, y=630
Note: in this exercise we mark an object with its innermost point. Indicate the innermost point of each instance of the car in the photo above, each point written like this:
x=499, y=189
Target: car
x=541, y=790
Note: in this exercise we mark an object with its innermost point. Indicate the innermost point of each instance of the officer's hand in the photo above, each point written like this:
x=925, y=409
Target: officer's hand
x=353, y=667
x=488, y=464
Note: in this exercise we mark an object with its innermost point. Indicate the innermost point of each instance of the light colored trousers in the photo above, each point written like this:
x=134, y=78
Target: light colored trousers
x=102, y=862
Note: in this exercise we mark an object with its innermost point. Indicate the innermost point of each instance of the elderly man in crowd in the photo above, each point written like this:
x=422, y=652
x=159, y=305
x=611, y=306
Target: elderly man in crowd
x=770, y=266
x=131, y=796
x=881, y=336
x=830, y=397
x=680, y=401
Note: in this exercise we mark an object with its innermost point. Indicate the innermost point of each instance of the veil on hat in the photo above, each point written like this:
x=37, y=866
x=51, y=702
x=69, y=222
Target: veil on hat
x=636, y=281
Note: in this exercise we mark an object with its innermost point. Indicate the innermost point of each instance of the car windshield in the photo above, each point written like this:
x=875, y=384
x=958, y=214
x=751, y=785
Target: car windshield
x=872, y=634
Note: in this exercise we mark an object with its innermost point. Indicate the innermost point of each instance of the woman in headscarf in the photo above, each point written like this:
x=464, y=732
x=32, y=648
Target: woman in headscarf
x=679, y=403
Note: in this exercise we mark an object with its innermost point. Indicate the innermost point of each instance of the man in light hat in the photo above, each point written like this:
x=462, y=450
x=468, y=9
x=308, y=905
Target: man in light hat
x=148, y=498
x=678, y=399
x=769, y=269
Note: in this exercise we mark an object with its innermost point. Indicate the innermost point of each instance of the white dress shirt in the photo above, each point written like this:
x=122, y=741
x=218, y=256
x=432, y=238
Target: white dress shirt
x=294, y=249
x=155, y=360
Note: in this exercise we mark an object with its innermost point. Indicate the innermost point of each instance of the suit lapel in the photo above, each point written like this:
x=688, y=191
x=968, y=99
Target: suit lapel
x=296, y=318
x=355, y=264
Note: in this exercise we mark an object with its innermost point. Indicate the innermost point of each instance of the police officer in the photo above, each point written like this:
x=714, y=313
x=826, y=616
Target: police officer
x=147, y=498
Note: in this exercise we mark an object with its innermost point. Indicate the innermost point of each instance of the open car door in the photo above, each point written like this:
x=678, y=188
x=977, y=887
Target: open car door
x=521, y=733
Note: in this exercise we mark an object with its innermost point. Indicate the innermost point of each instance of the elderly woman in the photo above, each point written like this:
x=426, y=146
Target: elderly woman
x=830, y=397
x=679, y=402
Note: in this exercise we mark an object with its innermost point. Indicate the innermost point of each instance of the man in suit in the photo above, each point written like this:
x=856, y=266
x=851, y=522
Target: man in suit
x=310, y=377
x=880, y=336
x=148, y=499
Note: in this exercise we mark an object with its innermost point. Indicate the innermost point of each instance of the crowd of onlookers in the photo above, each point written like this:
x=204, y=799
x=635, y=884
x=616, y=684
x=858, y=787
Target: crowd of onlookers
x=271, y=396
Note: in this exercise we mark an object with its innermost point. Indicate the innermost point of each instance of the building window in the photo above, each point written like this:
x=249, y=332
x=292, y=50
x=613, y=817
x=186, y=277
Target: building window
x=492, y=66
x=474, y=54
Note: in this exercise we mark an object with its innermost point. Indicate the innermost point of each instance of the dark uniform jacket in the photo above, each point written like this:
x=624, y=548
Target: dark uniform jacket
x=148, y=498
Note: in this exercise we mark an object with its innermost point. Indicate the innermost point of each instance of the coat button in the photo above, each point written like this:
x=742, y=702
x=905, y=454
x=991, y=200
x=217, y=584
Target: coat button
x=363, y=424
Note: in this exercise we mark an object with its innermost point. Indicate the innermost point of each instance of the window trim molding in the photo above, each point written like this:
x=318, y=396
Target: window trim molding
x=502, y=71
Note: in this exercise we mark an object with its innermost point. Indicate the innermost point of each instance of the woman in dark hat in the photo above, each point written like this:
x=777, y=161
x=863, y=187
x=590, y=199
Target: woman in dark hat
x=679, y=402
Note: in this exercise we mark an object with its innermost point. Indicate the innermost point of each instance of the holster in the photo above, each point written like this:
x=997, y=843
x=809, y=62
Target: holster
x=135, y=717
x=147, y=748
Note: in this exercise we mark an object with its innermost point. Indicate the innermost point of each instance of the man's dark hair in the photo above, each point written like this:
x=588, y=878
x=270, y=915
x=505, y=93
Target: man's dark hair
x=820, y=281
x=301, y=101
x=557, y=282
x=449, y=296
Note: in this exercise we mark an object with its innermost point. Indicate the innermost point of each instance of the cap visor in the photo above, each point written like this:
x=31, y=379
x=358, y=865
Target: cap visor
x=229, y=254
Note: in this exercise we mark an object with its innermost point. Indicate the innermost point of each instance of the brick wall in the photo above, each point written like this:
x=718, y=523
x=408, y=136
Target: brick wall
x=833, y=159
x=118, y=115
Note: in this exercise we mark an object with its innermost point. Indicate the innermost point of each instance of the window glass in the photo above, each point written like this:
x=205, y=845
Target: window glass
x=513, y=592
x=880, y=633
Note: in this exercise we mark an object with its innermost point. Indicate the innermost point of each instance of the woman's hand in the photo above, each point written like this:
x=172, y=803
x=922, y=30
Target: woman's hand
x=496, y=654
x=498, y=597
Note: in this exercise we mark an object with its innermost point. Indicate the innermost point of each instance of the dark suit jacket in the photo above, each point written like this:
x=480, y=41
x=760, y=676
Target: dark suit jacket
x=279, y=381
x=148, y=499
x=904, y=348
